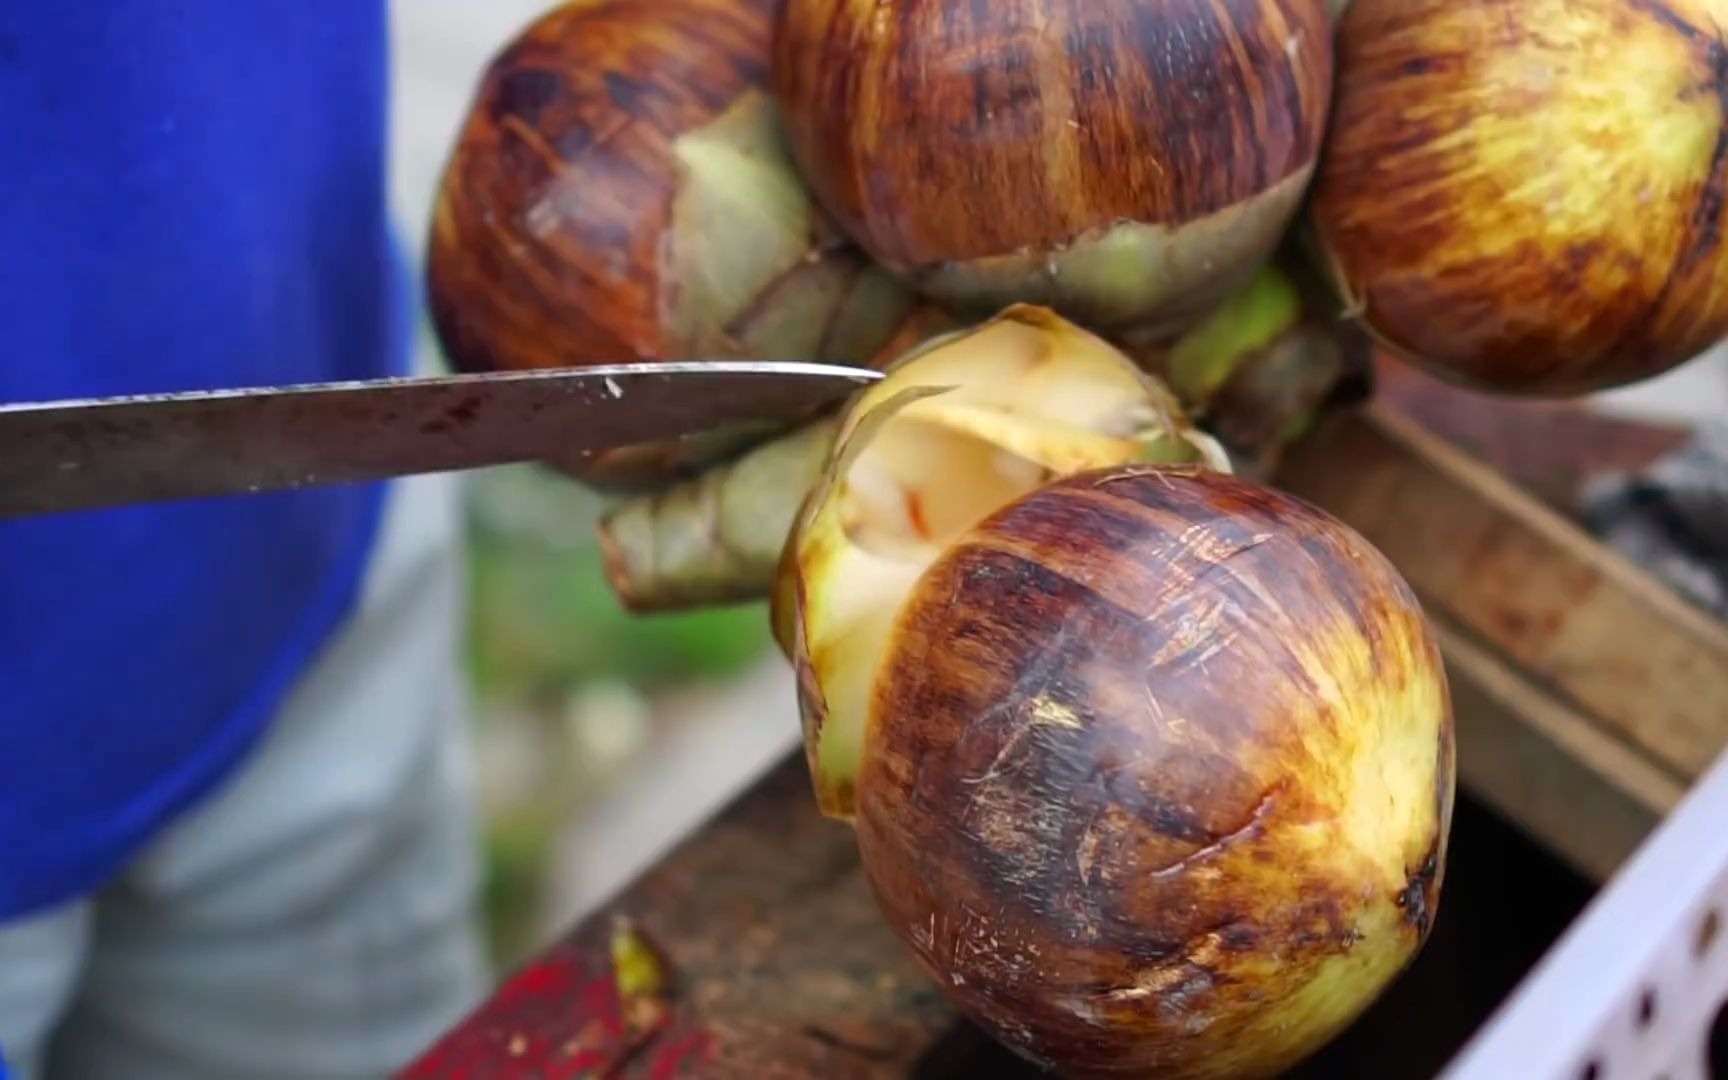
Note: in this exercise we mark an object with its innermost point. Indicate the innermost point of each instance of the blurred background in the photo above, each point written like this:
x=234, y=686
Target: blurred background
x=603, y=738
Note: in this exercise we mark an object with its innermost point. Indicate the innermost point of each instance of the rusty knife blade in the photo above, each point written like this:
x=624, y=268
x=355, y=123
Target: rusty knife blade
x=84, y=454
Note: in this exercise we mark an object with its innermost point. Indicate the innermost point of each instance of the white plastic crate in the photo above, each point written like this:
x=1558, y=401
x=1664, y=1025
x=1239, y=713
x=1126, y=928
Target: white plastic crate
x=1637, y=987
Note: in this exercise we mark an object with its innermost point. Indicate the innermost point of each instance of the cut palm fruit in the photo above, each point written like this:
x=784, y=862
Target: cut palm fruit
x=959, y=429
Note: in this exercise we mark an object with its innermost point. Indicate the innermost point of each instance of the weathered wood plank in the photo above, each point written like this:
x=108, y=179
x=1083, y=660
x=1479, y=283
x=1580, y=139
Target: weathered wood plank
x=782, y=966
x=1549, y=449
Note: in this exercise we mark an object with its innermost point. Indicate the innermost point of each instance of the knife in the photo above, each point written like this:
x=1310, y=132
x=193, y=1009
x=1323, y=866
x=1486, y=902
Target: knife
x=84, y=454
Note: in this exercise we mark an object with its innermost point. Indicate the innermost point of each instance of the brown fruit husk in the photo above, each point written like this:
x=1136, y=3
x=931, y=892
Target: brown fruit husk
x=1527, y=198
x=1158, y=773
x=1140, y=195
x=620, y=191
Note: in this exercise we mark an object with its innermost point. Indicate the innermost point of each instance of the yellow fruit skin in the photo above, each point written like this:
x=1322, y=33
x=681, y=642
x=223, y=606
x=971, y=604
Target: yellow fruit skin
x=1158, y=775
x=1528, y=197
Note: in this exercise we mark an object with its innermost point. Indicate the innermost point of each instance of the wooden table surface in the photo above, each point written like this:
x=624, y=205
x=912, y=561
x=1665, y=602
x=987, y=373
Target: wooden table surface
x=780, y=965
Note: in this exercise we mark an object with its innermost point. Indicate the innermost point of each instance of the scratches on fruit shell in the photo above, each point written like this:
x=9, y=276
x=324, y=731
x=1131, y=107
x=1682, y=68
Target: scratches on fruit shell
x=923, y=938
x=1157, y=710
x=1034, y=708
x=1249, y=829
x=1197, y=635
x=1086, y=851
x=1208, y=544
x=1047, y=710
x=973, y=946
x=1212, y=623
x=1181, y=987
x=986, y=947
x=1010, y=746
x=1176, y=985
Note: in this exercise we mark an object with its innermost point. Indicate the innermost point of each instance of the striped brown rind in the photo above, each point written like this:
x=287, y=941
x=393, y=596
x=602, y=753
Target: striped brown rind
x=1527, y=198
x=620, y=191
x=1118, y=160
x=1159, y=774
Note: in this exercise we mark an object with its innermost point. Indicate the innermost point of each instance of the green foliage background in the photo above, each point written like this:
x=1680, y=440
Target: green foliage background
x=542, y=625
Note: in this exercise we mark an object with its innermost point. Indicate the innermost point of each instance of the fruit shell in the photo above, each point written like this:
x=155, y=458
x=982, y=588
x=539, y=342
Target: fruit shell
x=1527, y=198
x=620, y=191
x=1159, y=774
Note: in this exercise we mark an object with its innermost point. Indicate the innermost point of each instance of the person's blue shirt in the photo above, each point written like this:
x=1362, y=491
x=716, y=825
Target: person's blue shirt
x=192, y=195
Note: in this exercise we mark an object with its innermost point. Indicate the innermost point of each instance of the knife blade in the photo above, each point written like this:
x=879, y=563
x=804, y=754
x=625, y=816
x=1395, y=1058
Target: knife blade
x=85, y=454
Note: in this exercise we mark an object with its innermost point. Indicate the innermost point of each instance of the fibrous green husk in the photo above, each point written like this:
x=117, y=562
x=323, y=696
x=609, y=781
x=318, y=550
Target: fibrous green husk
x=1263, y=366
x=716, y=538
x=753, y=268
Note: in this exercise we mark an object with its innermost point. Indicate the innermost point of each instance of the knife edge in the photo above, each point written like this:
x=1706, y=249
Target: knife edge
x=86, y=454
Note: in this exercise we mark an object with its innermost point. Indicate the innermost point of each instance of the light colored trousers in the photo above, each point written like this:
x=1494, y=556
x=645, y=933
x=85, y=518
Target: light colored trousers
x=314, y=916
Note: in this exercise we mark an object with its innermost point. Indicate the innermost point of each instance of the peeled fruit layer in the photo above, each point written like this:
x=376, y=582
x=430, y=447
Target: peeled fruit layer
x=1527, y=198
x=959, y=427
x=1157, y=773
